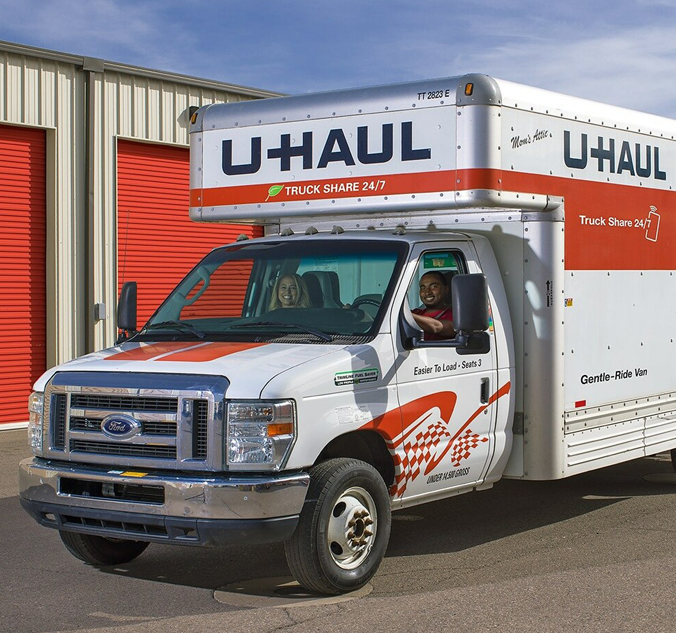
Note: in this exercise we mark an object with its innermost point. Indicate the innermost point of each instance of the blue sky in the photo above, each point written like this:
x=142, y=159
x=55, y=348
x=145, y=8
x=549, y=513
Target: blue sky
x=619, y=51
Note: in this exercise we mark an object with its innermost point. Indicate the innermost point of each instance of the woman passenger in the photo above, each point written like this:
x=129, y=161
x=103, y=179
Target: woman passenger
x=290, y=291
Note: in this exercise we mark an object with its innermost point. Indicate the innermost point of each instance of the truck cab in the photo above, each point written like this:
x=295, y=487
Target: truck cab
x=273, y=359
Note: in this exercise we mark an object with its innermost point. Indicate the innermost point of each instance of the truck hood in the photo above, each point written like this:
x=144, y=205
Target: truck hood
x=248, y=366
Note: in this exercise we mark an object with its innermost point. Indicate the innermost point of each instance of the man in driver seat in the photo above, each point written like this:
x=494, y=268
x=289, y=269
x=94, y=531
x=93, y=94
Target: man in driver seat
x=434, y=317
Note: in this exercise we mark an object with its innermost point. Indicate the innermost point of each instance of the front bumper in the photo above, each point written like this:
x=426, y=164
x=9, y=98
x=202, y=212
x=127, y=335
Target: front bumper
x=164, y=506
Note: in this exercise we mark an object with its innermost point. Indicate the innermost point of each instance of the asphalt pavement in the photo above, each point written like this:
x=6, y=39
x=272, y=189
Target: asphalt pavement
x=596, y=552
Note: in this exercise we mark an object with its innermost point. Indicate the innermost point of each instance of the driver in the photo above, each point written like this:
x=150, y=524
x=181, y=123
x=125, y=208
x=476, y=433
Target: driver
x=290, y=291
x=434, y=317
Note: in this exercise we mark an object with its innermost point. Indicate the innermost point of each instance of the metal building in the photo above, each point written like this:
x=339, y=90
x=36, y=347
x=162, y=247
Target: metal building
x=93, y=192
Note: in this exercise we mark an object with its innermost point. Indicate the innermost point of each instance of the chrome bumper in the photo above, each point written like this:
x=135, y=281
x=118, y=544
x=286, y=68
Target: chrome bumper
x=194, y=510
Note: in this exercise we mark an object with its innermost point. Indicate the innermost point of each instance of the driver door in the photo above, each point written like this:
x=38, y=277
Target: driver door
x=444, y=397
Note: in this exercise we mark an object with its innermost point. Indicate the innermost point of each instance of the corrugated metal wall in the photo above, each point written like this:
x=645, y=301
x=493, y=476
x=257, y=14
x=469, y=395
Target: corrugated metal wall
x=44, y=93
x=85, y=105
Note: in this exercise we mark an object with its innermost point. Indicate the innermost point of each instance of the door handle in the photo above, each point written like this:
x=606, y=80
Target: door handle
x=485, y=383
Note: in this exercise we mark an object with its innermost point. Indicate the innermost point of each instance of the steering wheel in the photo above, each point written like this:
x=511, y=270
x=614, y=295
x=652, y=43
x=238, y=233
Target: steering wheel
x=365, y=301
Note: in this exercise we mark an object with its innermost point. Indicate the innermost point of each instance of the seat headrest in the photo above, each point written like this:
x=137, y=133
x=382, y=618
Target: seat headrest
x=314, y=289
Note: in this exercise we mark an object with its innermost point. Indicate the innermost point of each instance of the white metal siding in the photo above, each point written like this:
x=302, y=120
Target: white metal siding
x=44, y=93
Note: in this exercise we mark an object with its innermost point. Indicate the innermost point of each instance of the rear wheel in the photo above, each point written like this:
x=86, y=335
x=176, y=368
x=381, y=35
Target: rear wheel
x=673, y=459
x=343, y=529
x=98, y=550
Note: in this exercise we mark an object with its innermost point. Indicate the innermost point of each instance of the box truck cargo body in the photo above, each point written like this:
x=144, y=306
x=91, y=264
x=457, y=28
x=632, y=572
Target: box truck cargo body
x=546, y=224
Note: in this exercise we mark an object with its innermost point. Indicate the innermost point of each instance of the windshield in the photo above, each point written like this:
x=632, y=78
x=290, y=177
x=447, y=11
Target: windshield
x=291, y=290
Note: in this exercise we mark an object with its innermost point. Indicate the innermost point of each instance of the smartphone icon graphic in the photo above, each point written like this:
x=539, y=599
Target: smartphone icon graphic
x=653, y=225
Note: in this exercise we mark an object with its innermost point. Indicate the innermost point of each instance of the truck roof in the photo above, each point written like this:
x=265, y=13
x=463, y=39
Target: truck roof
x=424, y=147
x=337, y=103
x=487, y=90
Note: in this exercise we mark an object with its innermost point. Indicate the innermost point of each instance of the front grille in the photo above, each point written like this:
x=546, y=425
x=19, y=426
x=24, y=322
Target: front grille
x=200, y=429
x=59, y=424
x=137, y=421
x=123, y=403
x=128, y=450
x=123, y=528
x=149, y=427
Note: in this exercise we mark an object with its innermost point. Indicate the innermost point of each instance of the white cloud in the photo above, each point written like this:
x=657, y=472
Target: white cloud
x=137, y=31
x=617, y=51
x=631, y=68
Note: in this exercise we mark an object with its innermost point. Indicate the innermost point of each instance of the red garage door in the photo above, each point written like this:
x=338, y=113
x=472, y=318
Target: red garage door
x=156, y=240
x=22, y=268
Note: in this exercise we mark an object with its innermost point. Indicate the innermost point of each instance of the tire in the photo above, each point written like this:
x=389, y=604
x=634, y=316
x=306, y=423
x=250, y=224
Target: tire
x=343, y=530
x=673, y=459
x=100, y=551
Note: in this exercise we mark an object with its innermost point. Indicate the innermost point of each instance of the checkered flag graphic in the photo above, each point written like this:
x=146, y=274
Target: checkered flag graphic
x=417, y=453
x=464, y=445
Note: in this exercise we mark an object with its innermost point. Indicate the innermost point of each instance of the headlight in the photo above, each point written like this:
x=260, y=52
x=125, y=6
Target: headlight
x=36, y=405
x=260, y=434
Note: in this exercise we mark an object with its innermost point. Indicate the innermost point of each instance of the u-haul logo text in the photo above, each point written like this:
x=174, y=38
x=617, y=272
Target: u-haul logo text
x=612, y=157
x=337, y=147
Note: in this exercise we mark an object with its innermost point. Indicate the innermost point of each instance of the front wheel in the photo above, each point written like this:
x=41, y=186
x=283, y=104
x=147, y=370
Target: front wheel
x=97, y=550
x=343, y=530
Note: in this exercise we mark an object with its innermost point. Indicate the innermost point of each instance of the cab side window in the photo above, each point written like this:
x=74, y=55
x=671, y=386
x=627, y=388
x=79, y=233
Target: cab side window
x=429, y=295
x=448, y=263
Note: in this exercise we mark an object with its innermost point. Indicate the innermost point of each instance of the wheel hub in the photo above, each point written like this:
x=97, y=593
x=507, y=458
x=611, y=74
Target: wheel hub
x=352, y=528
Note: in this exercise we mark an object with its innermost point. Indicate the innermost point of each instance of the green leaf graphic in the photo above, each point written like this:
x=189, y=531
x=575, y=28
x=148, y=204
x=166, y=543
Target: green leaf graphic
x=273, y=191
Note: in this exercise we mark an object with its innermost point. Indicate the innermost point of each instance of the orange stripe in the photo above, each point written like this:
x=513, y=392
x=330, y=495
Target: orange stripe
x=392, y=423
x=385, y=185
x=208, y=352
x=147, y=352
x=468, y=179
x=434, y=462
x=587, y=246
x=607, y=247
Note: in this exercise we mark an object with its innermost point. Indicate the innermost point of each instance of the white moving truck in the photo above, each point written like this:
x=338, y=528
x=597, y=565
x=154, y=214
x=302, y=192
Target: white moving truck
x=230, y=418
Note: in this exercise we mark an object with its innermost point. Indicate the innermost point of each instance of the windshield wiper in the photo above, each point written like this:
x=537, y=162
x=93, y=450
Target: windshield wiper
x=308, y=330
x=174, y=325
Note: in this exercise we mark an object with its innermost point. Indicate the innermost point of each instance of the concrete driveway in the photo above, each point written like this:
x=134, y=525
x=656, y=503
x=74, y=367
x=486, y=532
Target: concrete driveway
x=595, y=552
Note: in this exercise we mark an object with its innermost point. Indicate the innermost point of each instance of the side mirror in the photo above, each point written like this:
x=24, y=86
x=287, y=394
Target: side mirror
x=126, y=310
x=470, y=303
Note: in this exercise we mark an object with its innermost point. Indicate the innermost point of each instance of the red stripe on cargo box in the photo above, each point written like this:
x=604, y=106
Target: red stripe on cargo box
x=467, y=179
x=599, y=245
x=387, y=185
x=211, y=351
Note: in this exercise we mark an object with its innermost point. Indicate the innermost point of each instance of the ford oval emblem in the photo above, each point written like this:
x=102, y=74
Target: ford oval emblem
x=120, y=427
